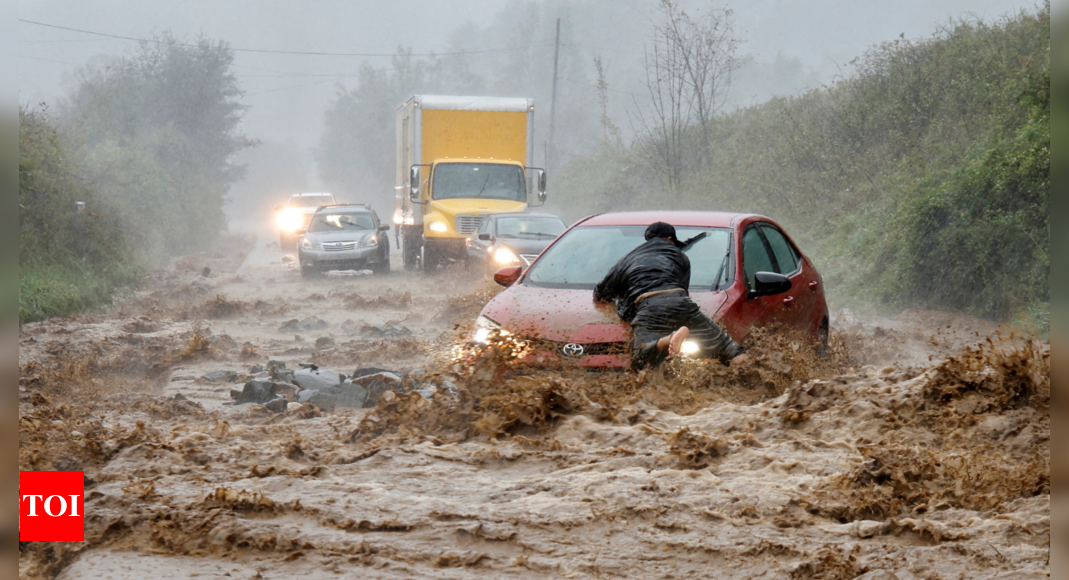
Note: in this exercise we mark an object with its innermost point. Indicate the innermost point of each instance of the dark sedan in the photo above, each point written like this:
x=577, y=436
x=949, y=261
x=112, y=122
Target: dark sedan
x=508, y=239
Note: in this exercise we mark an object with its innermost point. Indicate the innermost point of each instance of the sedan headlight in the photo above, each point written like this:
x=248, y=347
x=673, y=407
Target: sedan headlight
x=437, y=227
x=689, y=347
x=289, y=220
x=307, y=244
x=369, y=241
x=484, y=327
x=505, y=256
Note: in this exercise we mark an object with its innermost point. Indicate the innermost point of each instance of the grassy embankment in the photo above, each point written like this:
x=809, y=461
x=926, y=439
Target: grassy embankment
x=920, y=179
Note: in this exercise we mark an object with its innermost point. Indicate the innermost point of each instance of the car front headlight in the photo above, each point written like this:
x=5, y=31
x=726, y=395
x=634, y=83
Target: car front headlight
x=307, y=244
x=484, y=327
x=437, y=227
x=505, y=256
x=289, y=220
x=689, y=347
x=369, y=241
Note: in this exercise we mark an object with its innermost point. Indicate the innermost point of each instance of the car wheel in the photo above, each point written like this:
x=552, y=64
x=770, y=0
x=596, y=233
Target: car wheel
x=383, y=267
x=822, y=339
x=309, y=272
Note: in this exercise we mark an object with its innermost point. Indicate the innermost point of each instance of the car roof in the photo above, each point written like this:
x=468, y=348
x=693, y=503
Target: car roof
x=312, y=193
x=710, y=219
x=523, y=214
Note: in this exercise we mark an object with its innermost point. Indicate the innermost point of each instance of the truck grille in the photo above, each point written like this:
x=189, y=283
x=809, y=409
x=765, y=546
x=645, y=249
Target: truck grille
x=338, y=246
x=467, y=224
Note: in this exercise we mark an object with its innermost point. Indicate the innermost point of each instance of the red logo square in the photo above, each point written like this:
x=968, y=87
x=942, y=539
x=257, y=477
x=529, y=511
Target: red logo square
x=51, y=506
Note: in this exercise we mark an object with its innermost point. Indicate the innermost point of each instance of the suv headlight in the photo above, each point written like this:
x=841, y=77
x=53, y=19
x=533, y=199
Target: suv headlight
x=307, y=244
x=484, y=327
x=369, y=241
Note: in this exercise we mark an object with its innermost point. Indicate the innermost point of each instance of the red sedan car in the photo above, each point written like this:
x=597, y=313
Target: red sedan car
x=745, y=273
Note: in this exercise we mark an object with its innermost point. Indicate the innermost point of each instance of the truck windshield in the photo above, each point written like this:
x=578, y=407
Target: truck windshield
x=479, y=180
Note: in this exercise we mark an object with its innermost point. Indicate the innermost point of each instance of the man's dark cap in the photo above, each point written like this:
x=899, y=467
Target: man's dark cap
x=661, y=230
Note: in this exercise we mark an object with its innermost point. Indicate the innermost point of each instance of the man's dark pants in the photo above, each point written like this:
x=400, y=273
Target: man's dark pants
x=659, y=316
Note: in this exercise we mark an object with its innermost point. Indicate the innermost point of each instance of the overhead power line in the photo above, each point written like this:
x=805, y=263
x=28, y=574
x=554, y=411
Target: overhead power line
x=269, y=51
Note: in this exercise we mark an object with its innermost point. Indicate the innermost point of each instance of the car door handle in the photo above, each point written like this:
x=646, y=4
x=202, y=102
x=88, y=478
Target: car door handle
x=813, y=285
x=788, y=300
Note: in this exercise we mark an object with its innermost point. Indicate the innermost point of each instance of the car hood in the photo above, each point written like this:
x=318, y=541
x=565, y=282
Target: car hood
x=523, y=245
x=567, y=315
x=342, y=236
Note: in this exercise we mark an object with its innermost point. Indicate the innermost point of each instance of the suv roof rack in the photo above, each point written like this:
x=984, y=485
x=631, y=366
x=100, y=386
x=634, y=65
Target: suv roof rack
x=366, y=206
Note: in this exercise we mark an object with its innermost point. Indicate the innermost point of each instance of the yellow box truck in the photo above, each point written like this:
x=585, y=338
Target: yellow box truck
x=460, y=159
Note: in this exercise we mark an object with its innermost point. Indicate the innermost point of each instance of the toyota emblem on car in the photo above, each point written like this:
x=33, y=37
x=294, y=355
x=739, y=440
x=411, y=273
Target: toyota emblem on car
x=573, y=350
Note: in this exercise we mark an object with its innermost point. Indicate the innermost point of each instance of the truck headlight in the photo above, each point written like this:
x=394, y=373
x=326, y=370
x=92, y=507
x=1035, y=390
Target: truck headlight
x=484, y=327
x=437, y=227
x=288, y=220
x=505, y=256
x=369, y=241
x=307, y=244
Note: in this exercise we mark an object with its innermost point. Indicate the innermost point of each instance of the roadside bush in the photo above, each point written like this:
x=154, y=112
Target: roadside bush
x=69, y=260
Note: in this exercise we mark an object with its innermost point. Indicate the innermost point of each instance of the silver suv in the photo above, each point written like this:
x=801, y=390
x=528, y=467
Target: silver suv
x=344, y=237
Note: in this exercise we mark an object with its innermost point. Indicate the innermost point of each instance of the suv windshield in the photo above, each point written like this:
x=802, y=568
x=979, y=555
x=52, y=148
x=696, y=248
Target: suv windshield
x=529, y=227
x=479, y=180
x=336, y=222
x=311, y=200
x=582, y=257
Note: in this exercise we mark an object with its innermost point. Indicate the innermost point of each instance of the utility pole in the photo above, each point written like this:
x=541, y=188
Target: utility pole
x=553, y=105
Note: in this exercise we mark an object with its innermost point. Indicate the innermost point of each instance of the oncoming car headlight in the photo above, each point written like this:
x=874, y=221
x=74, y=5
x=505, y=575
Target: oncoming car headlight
x=484, y=327
x=437, y=227
x=369, y=241
x=307, y=244
x=289, y=220
x=505, y=256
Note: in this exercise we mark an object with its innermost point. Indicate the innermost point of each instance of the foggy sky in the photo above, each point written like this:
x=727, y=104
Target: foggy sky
x=286, y=94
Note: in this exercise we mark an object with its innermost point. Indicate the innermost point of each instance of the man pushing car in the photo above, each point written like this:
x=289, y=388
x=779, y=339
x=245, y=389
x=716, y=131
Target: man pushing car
x=650, y=287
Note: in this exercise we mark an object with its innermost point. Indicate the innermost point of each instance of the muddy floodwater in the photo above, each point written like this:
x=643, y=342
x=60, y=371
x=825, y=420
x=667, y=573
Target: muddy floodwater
x=918, y=449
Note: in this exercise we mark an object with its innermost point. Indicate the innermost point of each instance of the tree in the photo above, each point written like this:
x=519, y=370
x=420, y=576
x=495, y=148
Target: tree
x=688, y=65
x=160, y=129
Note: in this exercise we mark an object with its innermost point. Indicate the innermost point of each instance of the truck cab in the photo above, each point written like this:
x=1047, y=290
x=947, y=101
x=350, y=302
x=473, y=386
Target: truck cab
x=460, y=159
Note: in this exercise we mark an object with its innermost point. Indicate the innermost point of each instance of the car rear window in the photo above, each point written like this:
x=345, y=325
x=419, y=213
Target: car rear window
x=581, y=257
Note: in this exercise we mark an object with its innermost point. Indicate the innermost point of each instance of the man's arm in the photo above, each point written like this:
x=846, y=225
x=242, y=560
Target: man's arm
x=611, y=286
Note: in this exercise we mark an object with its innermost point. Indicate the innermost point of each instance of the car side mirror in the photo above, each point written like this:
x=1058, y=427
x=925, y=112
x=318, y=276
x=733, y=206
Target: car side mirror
x=413, y=182
x=384, y=227
x=484, y=237
x=769, y=284
x=507, y=276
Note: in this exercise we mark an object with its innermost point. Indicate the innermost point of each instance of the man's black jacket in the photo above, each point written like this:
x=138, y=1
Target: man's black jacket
x=655, y=265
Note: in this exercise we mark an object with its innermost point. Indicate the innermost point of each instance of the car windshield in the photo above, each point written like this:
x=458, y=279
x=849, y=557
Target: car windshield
x=529, y=227
x=479, y=180
x=336, y=222
x=311, y=200
x=582, y=257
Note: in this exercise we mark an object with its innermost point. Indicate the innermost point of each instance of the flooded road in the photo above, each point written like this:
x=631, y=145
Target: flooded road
x=921, y=449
